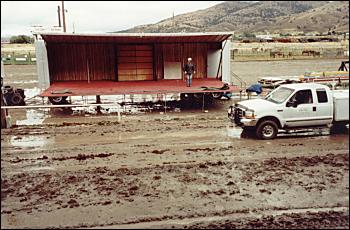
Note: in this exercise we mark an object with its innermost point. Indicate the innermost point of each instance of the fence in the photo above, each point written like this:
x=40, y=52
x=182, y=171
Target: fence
x=266, y=54
x=14, y=58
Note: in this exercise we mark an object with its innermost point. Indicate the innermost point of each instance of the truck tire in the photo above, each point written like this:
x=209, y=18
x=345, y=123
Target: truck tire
x=267, y=130
x=58, y=100
x=339, y=128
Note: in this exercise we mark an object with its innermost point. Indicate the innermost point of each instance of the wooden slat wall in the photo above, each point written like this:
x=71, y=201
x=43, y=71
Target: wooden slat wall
x=69, y=62
x=101, y=61
x=173, y=52
x=135, y=62
x=179, y=52
x=199, y=54
x=159, y=61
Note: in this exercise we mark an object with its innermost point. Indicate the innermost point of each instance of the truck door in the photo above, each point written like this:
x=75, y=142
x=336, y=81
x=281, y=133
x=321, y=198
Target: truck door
x=324, y=107
x=301, y=109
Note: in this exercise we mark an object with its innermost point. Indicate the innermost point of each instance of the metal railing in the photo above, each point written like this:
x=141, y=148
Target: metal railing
x=242, y=83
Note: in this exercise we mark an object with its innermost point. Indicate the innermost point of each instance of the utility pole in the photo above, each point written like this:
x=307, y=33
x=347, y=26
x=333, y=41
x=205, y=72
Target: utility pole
x=63, y=17
x=59, y=16
x=173, y=19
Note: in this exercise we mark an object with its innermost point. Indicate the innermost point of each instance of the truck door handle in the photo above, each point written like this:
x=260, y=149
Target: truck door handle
x=314, y=108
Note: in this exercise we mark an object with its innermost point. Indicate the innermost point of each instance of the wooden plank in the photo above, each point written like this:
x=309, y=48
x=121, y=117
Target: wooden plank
x=123, y=77
x=144, y=77
x=144, y=47
x=127, y=72
x=126, y=47
x=143, y=53
x=144, y=71
x=126, y=53
x=126, y=59
x=127, y=66
x=146, y=65
x=144, y=59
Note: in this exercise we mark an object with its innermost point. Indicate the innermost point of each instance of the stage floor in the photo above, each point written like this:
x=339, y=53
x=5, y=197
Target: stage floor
x=83, y=88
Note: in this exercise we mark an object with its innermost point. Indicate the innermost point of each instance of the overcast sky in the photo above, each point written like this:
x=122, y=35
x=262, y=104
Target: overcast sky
x=91, y=17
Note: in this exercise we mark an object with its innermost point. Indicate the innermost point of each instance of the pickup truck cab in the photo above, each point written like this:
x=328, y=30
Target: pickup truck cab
x=292, y=106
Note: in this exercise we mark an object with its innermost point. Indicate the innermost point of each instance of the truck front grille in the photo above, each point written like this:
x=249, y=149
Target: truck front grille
x=238, y=114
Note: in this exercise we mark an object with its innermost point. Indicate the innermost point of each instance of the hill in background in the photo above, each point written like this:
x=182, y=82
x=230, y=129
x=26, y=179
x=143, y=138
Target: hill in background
x=255, y=17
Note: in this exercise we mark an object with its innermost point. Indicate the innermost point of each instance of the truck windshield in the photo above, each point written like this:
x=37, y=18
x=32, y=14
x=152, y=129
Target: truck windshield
x=279, y=95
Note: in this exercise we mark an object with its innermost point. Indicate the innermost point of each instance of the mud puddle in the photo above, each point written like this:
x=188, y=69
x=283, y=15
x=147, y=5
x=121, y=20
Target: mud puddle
x=129, y=106
x=31, y=142
x=38, y=168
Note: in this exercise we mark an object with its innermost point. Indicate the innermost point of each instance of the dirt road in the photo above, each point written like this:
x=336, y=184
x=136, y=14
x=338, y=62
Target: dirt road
x=188, y=169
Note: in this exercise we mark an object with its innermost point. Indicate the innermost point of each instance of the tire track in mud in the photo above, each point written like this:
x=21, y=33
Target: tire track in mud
x=308, y=218
x=208, y=181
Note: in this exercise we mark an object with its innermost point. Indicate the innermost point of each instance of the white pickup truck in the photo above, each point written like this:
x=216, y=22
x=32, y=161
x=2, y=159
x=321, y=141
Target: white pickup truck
x=292, y=107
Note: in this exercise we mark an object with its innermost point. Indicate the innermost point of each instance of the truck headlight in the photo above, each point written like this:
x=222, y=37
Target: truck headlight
x=249, y=114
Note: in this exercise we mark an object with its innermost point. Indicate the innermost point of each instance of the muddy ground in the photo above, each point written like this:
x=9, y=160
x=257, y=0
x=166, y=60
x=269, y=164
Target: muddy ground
x=188, y=169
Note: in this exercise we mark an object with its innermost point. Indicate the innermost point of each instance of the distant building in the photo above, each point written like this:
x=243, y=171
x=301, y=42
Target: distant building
x=267, y=36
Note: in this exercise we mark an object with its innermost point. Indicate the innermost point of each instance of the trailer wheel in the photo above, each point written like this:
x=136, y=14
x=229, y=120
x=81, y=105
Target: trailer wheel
x=58, y=100
x=217, y=95
x=187, y=97
x=267, y=130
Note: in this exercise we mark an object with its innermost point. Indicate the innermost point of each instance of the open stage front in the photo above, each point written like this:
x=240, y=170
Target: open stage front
x=83, y=88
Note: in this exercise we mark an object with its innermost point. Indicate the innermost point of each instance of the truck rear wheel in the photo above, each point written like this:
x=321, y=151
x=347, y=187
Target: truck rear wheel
x=267, y=130
x=339, y=128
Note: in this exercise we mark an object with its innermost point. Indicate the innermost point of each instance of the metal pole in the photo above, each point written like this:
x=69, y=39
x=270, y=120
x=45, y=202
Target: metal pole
x=98, y=101
x=165, y=103
x=59, y=16
x=203, y=102
x=63, y=17
x=88, y=71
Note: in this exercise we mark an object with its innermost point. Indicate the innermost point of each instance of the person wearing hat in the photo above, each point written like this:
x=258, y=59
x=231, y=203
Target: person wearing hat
x=189, y=71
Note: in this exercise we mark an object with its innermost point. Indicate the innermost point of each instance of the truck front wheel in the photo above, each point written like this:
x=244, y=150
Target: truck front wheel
x=267, y=130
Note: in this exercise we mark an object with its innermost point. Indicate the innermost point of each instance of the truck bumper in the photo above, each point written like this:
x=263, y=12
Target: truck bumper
x=248, y=122
x=240, y=121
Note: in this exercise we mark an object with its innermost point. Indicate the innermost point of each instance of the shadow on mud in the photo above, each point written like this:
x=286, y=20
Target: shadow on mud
x=247, y=134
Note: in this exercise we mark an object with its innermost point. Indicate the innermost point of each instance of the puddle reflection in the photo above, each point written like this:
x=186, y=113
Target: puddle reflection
x=35, y=142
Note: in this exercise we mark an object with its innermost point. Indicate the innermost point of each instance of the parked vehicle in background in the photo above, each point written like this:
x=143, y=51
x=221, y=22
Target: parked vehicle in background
x=12, y=96
x=291, y=107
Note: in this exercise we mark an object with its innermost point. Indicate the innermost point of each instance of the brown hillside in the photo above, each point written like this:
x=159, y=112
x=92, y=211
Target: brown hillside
x=272, y=16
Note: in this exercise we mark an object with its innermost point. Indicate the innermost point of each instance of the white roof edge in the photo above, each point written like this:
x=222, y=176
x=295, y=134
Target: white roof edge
x=303, y=85
x=141, y=34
